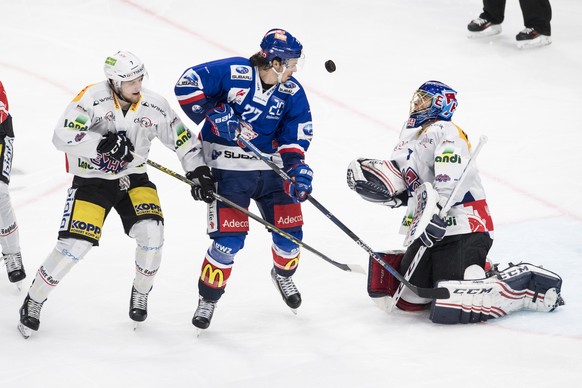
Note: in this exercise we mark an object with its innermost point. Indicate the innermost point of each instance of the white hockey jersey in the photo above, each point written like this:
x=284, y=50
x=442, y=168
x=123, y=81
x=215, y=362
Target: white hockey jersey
x=438, y=154
x=96, y=111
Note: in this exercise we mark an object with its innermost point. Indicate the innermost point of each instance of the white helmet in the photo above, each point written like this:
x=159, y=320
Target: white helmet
x=123, y=66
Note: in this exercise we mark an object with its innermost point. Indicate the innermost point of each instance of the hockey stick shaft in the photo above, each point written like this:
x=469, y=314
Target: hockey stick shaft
x=345, y=267
x=430, y=293
x=442, y=213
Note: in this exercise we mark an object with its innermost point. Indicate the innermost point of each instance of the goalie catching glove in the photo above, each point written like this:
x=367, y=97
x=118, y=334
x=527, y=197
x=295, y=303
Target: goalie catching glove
x=377, y=181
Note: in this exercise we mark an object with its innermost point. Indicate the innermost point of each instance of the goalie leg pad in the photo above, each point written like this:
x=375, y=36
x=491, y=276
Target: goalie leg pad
x=382, y=284
x=519, y=287
x=380, y=281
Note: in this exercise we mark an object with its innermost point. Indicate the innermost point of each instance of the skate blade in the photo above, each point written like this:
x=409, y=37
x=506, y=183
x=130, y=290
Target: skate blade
x=135, y=325
x=537, y=42
x=491, y=31
x=294, y=311
x=24, y=331
x=18, y=286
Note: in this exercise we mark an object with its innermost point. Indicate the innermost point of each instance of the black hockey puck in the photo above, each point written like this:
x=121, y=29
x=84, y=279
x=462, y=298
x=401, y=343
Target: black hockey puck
x=330, y=66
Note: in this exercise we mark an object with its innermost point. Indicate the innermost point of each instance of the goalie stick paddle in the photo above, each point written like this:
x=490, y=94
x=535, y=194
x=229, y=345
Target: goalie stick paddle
x=346, y=267
x=443, y=212
x=429, y=293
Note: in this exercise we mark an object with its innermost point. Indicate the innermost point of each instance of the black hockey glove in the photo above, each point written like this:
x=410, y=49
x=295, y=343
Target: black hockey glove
x=117, y=146
x=203, y=187
x=434, y=232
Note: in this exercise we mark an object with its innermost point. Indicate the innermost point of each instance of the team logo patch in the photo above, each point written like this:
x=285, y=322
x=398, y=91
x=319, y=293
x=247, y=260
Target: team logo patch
x=87, y=219
x=239, y=72
x=145, y=201
x=288, y=216
x=231, y=220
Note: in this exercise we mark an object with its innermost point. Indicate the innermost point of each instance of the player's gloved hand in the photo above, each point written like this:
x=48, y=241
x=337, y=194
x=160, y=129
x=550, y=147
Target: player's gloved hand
x=300, y=187
x=117, y=146
x=203, y=187
x=435, y=231
x=224, y=121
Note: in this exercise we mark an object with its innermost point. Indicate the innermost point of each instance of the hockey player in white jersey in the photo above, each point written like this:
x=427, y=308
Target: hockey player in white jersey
x=9, y=233
x=433, y=149
x=99, y=131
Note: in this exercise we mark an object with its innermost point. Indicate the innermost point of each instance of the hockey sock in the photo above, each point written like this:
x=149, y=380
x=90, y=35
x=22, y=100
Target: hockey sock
x=285, y=262
x=147, y=263
x=9, y=234
x=49, y=275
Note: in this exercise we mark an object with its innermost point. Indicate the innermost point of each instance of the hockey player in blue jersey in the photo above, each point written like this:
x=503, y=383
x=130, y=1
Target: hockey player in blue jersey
x=257, y=98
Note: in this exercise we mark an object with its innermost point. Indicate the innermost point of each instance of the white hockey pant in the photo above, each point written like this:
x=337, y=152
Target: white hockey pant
x=149, y=236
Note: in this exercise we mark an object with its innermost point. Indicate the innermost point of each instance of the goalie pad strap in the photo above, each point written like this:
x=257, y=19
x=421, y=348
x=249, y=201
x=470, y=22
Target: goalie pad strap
x=519, y=287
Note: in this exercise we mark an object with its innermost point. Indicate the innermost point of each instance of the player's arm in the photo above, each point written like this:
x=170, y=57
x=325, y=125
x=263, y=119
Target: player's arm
x=294, y=139
x=72, y=133
x=197, y=91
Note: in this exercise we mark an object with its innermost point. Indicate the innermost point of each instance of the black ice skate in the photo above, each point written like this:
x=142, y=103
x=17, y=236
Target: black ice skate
x=288, y=291
x=14, y=267
x=530, y=37
x=138, y=306
x=204, y=312
x=479, y=28
x=29, y=316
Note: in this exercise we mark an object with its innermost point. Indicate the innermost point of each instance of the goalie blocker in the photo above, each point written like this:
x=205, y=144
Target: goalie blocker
x=519, y=287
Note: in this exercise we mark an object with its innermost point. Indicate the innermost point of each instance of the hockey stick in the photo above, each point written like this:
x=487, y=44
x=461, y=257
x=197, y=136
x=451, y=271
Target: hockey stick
x=442, y=213
x=345, y=267
x=429, y=293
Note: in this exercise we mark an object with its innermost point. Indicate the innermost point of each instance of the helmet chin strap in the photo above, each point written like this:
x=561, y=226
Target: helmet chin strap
x=117, y=90
x=280, y=74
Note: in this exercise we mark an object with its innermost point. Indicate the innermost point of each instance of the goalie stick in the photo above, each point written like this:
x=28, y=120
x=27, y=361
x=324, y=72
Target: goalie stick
x=443, y=212
x=345, y=267
x=429, y=293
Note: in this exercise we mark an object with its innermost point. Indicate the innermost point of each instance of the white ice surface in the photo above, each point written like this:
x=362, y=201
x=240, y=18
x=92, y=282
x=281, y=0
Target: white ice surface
x=527, y=102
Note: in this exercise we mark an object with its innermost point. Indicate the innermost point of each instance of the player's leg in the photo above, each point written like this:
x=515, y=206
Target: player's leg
x=227, y=227
x=86, y=208
x=9, y=237
x=280, y=210
x=142, y=219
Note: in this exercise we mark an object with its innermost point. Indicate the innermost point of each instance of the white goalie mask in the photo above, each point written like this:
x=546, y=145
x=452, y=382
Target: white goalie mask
x=123, y=66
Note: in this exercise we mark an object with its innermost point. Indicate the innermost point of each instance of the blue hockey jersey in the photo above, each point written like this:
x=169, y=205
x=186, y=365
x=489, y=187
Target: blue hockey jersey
x=280, y=116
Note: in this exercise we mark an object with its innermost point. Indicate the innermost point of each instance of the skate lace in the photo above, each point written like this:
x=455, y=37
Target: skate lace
x=13, y=262
x=33, y=309
x=287, y=285
x=205, y=309
x=480, y=22
x=527, y=30
x=139, y=300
